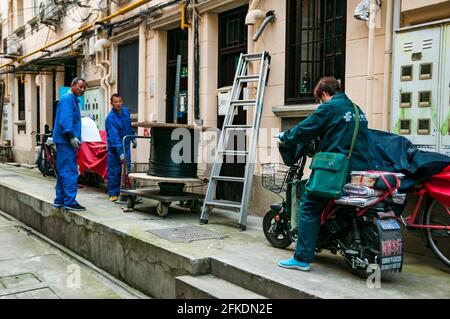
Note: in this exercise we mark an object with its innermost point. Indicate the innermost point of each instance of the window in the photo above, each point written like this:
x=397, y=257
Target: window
x=423, y=126
x=406, y=74
x=128, y=72
x=425, y=71
x=425, y=99
x=405, y=99
x=21, y=92
x=405, y=127
x=315, y=46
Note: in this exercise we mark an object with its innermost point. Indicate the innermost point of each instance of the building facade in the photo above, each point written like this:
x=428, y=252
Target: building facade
x=395, y=67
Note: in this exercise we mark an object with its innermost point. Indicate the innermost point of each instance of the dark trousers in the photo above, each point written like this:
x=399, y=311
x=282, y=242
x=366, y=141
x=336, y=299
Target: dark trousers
x=309, y=212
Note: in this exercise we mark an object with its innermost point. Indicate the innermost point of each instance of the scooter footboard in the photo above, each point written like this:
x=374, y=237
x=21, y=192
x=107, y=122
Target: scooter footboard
x=391, y=245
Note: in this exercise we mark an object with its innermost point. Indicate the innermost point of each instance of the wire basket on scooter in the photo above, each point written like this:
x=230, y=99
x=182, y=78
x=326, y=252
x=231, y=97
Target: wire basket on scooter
x=274, y=177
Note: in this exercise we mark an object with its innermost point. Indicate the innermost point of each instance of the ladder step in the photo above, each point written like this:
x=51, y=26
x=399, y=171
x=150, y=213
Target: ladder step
x=229, y=178
x=248, y=78
x=238, y=127
x=232, y=152
x=243, y=102
x=252, y=56
x=224, y=203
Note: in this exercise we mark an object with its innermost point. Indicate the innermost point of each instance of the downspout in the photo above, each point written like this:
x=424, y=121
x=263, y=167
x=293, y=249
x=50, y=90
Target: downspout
x=387, y=64
x=370, y=62
x=396, y=26
x=142, y=74
x=196, y=69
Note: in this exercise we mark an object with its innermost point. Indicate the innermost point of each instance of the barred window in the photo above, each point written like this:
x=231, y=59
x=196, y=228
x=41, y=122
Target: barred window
x=315, y=46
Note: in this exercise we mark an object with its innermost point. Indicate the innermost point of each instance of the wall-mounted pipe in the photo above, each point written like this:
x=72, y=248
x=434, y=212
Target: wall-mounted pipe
x=388, y=34
x=270, y=17
x=370, y=60
x=142, y=74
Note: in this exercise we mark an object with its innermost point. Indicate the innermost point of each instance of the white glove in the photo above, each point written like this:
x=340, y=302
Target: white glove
x=75, y=143
x=122, y=157
x=280, y=136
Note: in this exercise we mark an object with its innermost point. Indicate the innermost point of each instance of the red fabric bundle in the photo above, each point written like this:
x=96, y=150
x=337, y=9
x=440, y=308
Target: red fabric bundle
x=93, y=157
x=438, y=186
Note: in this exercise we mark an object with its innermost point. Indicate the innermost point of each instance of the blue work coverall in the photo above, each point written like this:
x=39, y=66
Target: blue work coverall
x=333, y=122
x=67, y=125
x=117, y=126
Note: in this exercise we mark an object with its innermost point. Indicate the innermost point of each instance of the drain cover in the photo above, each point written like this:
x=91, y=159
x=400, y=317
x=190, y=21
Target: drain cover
x=186, y=234
x=19, y=280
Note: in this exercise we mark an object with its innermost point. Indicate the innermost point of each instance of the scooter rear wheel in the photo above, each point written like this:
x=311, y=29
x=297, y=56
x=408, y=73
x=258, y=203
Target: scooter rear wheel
x=276, y=232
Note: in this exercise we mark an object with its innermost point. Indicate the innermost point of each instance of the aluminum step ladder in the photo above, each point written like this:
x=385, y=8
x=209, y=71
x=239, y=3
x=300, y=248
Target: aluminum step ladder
x=241, y=78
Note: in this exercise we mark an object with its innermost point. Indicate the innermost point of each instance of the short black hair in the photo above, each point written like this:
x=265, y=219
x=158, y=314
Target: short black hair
x=115, y=95
x=327, y=84
x=76, y=80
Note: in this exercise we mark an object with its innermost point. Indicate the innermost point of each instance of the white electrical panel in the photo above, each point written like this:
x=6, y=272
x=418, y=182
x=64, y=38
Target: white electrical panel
x=416, y=94
x=7, y=122
x=94, y=106
x=444, y=129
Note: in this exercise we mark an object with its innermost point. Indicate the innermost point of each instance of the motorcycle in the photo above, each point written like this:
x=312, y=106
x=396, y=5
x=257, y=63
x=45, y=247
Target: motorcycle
x=369, y=238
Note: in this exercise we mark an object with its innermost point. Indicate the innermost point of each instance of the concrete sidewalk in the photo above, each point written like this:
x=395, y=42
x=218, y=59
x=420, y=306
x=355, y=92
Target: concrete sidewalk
x=242, y=265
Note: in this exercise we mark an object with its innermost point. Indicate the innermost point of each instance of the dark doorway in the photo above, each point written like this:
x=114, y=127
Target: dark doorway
x=177, y=44
x=232, y=42
x=70, y=73
x=128, y=75
x=21, y=100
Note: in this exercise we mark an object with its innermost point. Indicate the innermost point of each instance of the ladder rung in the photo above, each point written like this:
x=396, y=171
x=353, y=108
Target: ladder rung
x=253, y=56
x=243, y=102
x=230, y=152
x=237, y=127
x=224, y=203
x=248, y=78
x=229, y=178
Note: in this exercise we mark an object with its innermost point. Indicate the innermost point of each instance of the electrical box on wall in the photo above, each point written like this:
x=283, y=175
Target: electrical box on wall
x=7, y=122
x=94, y=106
x=420, y=109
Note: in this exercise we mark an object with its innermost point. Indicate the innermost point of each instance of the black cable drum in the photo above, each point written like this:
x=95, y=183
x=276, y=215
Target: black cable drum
x=161, y=162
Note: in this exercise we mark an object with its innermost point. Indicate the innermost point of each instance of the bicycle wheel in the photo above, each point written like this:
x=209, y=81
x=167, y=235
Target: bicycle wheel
x=438, y=239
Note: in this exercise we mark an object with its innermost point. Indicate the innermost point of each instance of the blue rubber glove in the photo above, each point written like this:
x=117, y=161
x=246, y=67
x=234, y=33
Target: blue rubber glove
x=134, y=143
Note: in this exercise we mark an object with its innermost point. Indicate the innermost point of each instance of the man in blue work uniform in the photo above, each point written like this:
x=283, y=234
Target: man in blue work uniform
x=118, y=124
x=67, y=136
x=333, y=123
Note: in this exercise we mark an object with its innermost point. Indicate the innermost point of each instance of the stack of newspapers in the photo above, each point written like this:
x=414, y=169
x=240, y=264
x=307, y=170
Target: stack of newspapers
x=361, y=191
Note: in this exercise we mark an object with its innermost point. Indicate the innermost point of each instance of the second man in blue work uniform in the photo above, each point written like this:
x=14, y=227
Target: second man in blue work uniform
x=118, y=125
x=67, y=137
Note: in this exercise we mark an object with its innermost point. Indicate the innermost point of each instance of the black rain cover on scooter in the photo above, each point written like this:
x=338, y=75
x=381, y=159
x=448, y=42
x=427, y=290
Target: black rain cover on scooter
x=395, y=153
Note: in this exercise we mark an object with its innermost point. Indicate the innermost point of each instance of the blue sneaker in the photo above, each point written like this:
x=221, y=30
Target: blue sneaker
x=292, y=263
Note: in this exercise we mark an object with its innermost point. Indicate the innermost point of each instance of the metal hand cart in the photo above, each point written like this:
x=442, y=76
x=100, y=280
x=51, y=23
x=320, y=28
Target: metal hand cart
x=167, y=191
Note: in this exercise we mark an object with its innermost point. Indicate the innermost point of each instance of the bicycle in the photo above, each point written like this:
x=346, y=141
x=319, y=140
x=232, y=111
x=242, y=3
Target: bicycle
x=46, y=159
x=434, y=218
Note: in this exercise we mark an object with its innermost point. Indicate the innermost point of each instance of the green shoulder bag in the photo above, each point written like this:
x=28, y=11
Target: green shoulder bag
x=330, y=170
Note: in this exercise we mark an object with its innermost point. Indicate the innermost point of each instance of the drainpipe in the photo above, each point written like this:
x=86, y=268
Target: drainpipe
x=387, y=64
x=370, y=62
x=142, y=74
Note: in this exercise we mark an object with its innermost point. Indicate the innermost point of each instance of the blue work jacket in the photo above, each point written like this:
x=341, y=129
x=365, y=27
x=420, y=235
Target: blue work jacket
x=68, y=119
x=117, y=126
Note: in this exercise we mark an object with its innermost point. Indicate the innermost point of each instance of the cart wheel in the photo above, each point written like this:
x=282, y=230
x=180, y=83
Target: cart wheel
x=195, y=207
x=131, y=201
x=162, y=209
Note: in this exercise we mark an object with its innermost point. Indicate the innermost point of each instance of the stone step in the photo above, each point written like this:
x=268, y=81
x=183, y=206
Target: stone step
x=210, y=287
x=250, y=280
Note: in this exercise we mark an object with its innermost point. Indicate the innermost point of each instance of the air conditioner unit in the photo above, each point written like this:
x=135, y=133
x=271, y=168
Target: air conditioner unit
x=14, y=46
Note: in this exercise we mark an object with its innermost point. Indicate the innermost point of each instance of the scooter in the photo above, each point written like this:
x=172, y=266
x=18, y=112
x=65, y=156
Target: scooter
x=368, y=238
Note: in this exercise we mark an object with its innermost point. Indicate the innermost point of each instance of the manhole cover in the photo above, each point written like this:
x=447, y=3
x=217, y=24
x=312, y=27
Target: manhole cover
x=41, y=293
x=19, y=280
x=186, y=234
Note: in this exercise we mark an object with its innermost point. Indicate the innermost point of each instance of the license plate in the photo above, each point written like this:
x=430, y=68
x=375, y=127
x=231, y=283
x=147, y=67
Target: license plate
x=389, y=224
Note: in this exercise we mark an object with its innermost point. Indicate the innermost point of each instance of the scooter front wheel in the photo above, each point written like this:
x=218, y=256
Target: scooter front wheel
x=276, y=230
